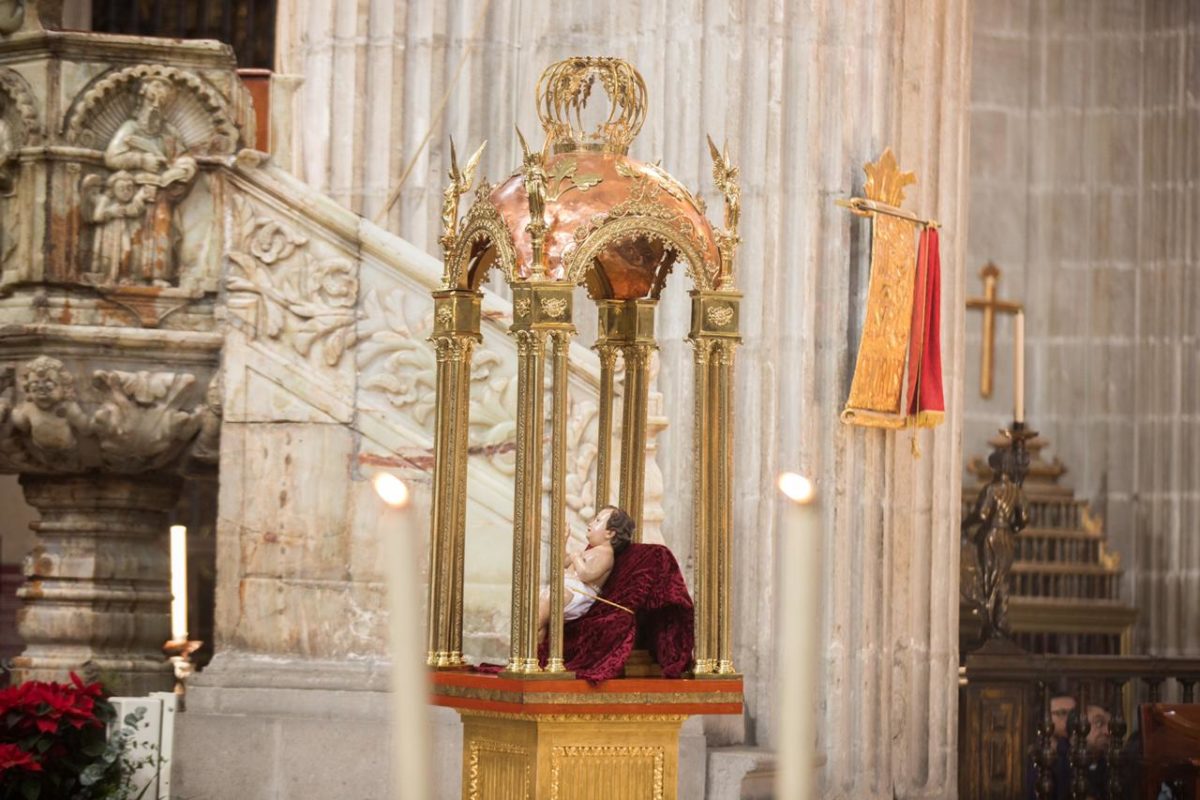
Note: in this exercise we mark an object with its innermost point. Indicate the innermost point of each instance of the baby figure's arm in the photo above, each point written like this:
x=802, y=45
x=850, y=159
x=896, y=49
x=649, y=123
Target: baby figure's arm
x=593, y=564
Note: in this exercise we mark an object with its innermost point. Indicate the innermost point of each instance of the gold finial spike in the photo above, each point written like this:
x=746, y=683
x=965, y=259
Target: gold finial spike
x=885, y=181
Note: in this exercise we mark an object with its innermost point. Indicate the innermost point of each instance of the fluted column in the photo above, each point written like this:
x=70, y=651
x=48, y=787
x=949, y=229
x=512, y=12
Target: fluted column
x=456, y=331
x=97, y=593
x=636, y=356
x=608, y=363
x=561, y=341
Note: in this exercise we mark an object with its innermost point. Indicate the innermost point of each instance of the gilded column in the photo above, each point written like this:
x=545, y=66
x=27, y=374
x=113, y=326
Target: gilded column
x=714, y=336
x=608, y=363
x=561, y=341
x=633, y=429
x=541, y=311
x=702, y=456
x=437, y=647
x=722, y=498
x=456, y=330
x=458, y=496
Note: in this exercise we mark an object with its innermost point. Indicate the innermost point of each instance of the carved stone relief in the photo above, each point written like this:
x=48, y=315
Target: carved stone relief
x=398, y=369
x=46, y=419
x=149, y=123
x=12, y=15
x=141, y=420
x=140, y=424
x=304, y=300
x=19, y=126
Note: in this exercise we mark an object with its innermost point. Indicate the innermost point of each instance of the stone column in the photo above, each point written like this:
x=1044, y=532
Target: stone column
x=97, y=584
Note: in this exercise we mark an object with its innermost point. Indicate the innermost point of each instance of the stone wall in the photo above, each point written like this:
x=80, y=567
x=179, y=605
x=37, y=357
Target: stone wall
x=1083, y=188
x=805, y=93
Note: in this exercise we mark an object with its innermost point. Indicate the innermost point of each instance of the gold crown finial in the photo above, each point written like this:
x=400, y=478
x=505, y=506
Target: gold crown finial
x=885, y=181
x=563, y=92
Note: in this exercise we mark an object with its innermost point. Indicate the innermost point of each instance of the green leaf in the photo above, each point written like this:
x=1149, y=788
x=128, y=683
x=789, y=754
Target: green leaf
x=31, y=788
x=94, y=748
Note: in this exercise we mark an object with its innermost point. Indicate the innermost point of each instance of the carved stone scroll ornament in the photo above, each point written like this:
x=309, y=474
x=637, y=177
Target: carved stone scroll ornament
x=141, y=425
x=399, y=367
x=305, y=301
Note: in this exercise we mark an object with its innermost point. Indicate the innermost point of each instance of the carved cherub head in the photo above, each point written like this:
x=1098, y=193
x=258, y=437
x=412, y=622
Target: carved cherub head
x=153, y=96
x=120, y=184
x=46, y=383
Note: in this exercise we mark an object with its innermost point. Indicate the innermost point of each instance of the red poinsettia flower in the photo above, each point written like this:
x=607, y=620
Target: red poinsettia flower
x=13, y=757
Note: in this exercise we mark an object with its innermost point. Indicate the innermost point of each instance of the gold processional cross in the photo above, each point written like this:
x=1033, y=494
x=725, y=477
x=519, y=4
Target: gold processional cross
x=990, y=305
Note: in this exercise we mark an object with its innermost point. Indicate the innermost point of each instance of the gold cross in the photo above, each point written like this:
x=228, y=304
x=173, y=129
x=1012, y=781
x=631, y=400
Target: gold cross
x=990, y=305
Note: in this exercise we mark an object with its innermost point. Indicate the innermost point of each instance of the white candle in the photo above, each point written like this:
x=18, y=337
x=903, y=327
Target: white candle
x=800, y=631
x=410, y=680
x=1019, y=369
x=179, y=610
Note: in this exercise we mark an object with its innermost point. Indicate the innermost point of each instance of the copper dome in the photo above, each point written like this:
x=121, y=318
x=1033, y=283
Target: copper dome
x=611, y=222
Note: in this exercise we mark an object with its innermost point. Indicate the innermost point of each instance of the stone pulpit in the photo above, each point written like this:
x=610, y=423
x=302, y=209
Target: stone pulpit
x=110, y=258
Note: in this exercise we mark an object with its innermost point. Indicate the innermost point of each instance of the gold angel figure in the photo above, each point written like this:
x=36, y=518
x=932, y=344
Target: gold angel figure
x=534, y=169
x=725, y=175
x=460, y=184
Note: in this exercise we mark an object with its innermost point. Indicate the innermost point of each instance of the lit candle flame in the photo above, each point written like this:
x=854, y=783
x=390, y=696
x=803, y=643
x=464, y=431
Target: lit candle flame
x=797, y=488
x=391, y=489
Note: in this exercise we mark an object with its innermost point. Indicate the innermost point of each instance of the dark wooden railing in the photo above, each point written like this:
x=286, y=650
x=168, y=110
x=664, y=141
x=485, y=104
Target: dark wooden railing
x=1006, y=734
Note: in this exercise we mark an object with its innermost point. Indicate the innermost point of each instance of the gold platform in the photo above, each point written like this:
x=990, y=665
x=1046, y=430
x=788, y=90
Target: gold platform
x=570, y=740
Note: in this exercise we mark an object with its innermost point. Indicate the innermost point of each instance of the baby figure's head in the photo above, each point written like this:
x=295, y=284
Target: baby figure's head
x=121, y=185
x=611, y=526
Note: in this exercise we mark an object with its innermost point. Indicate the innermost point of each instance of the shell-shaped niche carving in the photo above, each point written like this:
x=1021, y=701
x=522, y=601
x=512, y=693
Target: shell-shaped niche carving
x=18, y=112
x=194, y=109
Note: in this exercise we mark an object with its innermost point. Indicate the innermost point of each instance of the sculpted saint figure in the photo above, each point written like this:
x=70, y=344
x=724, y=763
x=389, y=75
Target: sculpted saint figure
x=117, y=214
x=988, y=539
x=153, y=152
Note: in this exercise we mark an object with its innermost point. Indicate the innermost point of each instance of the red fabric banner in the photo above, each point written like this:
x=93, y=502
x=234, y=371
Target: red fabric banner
x=926, y=405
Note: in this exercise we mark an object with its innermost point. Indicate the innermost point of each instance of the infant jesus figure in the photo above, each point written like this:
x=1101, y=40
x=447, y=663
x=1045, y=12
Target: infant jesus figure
x=609, y=532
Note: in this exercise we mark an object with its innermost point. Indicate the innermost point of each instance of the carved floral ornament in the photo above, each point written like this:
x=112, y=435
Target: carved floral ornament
x=139, y=421
x=301, y=299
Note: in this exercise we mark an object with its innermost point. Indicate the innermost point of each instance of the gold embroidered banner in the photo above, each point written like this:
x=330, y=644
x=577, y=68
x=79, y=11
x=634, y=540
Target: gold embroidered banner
x=876, y=391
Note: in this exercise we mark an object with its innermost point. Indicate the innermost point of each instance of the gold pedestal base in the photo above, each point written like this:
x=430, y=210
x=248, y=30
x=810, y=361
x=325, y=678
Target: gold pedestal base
x=570, y=757
x=570, y=740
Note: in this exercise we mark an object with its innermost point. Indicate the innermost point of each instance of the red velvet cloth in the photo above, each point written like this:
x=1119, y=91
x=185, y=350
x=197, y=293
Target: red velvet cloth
x=925, y=399
x=646, y=579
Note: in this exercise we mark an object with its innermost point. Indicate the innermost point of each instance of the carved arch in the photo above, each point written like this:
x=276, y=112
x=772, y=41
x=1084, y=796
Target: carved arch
x=483, y=223
x=667, y=231
x=198, y=110
x=22, y=108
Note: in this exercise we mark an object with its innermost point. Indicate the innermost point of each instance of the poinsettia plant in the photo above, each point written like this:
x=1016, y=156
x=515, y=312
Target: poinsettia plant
x=55, y=743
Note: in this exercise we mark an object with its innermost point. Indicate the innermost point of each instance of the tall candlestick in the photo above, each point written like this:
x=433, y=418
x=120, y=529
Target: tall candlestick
x=1019, y=369
x=410, y=681
x=179, y=604
x=800, y=631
